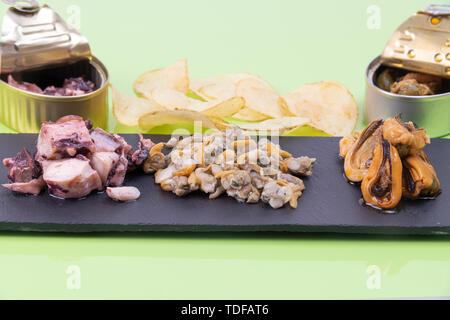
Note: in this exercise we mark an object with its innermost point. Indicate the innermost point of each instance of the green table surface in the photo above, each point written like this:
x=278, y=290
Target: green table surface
x=289, y=43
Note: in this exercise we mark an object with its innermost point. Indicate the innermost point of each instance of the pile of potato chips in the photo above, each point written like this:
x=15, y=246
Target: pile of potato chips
x=168, y=96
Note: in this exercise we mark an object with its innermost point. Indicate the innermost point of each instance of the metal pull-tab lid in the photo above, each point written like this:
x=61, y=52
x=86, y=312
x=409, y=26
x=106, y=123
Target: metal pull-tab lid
x=34, y=37
x=422, y=43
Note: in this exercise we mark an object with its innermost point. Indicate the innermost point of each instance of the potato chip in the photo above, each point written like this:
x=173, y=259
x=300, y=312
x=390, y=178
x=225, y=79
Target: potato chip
x=127, y=110
x=222, y=109
x=261, y=98
x=175, y=76
x=159, y=118
x=329, y=105
x=236, y=77
x=213, y=88
x=174, y=100
x=281, y=124
x=247, y=114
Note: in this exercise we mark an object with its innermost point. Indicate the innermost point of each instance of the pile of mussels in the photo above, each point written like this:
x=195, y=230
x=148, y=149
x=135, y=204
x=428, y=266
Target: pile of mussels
x=387, y=158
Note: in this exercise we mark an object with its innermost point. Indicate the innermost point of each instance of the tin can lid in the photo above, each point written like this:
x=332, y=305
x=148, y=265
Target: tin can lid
x=36, y=36
x=422, y=43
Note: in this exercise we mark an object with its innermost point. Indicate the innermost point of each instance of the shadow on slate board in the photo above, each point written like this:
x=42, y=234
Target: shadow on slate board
x=329, y=204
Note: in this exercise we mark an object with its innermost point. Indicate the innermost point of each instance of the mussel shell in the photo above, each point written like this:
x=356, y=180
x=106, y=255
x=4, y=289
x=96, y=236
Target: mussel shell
x=419, y=177
x=382, y=185
x=404, y=136
x=359, y=157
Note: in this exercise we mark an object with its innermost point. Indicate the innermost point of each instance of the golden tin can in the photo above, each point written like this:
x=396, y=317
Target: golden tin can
x=39, y=47
x=415, y=46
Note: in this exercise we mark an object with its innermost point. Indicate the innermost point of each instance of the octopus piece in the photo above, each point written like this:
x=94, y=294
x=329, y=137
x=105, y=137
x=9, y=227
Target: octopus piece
x=404, y=136
x=22, y=168
x=123, y=193
x=140, y=155
x=105, y=163
x=106, y=142
x=24, y=173
x=111, y=157
x=71, y=178
x=66, y=138
x=30, y=87
x=33, y=187
x=118, y=173
x=301, y=166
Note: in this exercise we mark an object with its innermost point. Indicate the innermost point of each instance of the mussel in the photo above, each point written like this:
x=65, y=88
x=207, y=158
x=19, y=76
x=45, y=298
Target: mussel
x=405, y=136
x=419, y=177
x=385, y=80
x=382, y=185
x=359, y=157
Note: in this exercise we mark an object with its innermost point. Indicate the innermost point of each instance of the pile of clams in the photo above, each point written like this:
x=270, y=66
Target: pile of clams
x=387, y=158
x=230, y=163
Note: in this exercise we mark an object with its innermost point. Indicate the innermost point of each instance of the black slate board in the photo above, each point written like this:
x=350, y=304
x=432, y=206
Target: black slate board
x=330, y=204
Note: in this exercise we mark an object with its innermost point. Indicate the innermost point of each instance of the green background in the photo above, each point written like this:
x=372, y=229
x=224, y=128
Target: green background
x=288, y=43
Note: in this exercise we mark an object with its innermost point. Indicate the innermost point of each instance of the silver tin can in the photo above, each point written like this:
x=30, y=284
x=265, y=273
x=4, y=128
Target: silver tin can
x=429, y=112
x=39, y=47
x=24, y=111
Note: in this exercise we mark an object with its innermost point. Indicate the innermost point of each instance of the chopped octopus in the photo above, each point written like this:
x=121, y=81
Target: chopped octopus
x=73, y=160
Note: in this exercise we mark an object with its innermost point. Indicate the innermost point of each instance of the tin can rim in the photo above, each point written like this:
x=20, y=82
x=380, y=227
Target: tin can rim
x=370, y=72
x=94, y=61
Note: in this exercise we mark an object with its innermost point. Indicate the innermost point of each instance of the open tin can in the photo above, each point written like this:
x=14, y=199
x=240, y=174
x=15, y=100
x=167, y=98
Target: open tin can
x=421, y=44
x=39, y=47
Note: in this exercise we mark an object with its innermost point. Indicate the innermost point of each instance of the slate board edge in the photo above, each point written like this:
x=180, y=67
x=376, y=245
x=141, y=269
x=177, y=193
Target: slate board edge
x=106, y=228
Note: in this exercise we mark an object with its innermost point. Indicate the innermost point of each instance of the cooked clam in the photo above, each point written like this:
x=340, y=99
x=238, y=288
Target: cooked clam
x=382, y=185
x=277, y=194
x=230, y=162
x=300, y=166
x=411, y=87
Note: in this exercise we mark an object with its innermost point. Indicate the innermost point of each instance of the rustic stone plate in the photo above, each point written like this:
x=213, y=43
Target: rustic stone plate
x=329, y=204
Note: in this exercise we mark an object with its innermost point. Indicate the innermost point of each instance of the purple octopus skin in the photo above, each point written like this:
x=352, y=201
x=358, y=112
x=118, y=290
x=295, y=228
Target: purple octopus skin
x=72, y=87
x=25, y=174
x=22, y=168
